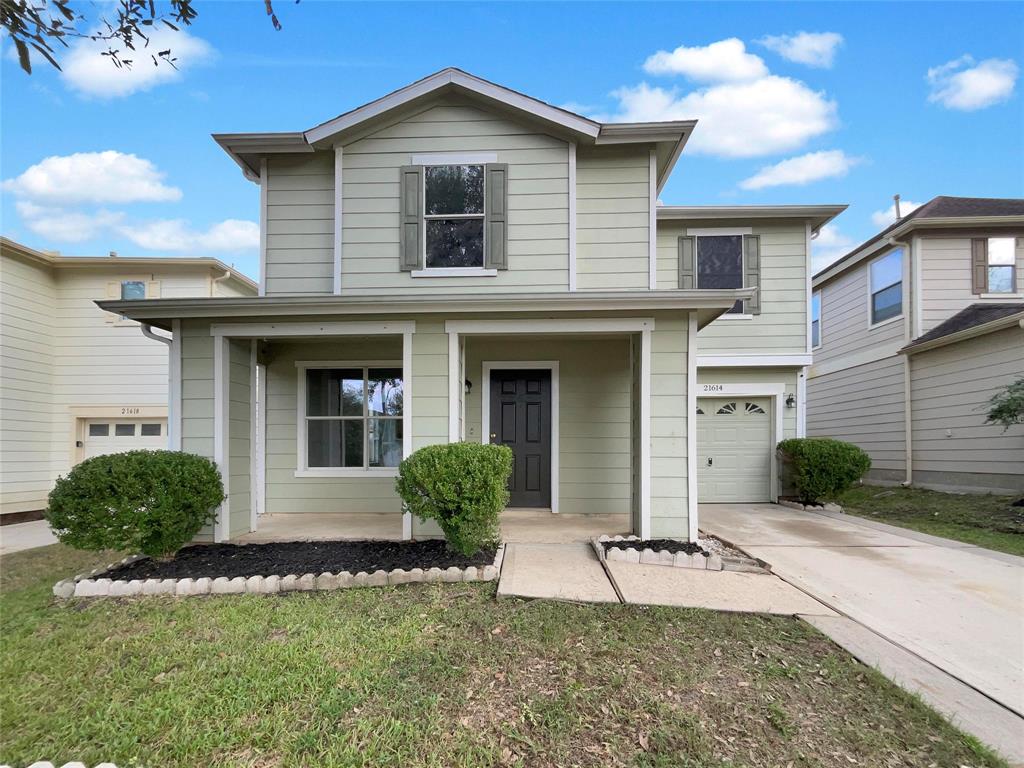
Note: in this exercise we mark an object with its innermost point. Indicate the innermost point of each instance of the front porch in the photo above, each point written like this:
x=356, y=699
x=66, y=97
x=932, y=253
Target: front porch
x=517, y=526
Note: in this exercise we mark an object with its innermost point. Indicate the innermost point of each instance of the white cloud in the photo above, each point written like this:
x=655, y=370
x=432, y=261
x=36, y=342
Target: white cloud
x=86, y=70
x=829, y=245
x=723, y=61
x=762, y=117
x=883, y=219
x=92, y=177
x=178, y=235
x=815, y=49
x=962, y=84
x=66, y=226
x=814, y=166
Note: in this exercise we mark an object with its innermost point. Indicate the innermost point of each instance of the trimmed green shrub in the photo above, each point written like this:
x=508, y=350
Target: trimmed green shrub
x=821, y=468
x=463, y=486
x=152, y=502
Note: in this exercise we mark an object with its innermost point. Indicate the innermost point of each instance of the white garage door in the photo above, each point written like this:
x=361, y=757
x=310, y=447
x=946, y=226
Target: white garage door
x=733, y=449
x=102, y=436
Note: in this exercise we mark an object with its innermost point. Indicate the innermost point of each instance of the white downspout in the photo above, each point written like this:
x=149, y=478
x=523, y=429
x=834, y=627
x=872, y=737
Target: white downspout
x=172, y=414
x=221, y=279
x=908, y=310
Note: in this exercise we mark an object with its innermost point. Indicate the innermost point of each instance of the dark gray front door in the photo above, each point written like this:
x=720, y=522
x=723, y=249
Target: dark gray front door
x=521, y=419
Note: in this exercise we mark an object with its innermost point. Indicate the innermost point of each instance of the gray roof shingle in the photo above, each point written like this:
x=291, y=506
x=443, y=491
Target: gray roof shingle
x=969, y=317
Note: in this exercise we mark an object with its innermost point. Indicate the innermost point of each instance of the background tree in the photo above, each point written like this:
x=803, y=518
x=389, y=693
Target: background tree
x=46, y=25
x=1007, y=406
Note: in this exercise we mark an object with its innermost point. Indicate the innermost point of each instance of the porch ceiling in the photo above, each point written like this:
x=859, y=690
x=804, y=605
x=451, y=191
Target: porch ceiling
x=708, y=304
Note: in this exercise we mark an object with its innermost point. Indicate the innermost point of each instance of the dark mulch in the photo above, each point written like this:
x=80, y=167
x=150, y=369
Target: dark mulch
x=657, y=545
x=298, y=557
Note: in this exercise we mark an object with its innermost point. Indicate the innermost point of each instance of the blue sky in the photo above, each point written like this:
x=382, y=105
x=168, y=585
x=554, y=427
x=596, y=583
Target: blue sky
x=873, y=99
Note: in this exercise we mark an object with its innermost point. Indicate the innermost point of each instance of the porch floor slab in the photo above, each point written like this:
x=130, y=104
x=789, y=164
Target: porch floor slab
x=318, y=527
x=541, y=526
x=555, y=572
x=717, y=590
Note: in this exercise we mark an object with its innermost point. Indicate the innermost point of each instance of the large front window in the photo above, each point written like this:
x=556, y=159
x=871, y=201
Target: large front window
x=1001, y=259
x=887, y=287
x=720, y=263
x=454, y=214
x=353, y=417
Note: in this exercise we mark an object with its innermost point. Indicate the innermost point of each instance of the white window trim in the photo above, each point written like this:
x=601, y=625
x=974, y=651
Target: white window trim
x=821, y=312
x=485, y=409
x=903, y=292
x=696, y=234
x=735, y=317
x=1014, y=293
x=455, y=272
x=718, y=231
x=301, y=468
x=1001, y=295
x=454, y=158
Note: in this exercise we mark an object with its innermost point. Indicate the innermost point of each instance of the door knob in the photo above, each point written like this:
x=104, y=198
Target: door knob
x=493, y=435
x=710, y=461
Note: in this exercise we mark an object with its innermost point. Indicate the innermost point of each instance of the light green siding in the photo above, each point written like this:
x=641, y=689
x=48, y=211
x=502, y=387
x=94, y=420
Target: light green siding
x=429, y=396
x=781, y=328
x=239, y=436
x=669, y=512
x=197, y=395
x=538, y=200
x=300, y=224
x=613, y=218
x=286, y=493
x=594, y=413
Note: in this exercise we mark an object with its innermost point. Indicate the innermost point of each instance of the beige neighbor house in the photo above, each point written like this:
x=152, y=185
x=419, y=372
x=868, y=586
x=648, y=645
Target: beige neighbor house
x=459, y=261
x=914, y=331
x=76, y=381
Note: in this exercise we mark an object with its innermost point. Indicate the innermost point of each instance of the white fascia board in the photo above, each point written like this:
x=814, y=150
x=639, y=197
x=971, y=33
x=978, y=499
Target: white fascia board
x=463, y=80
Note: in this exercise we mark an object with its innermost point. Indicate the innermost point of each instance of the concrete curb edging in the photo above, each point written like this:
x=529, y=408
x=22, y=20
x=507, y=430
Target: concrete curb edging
x=708, y=562
x=828, y=506
x=85, y=585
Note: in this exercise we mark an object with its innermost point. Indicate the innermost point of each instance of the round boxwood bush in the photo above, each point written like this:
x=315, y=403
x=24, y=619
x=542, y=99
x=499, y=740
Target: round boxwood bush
x=152, y=502
x=821, y=468
x=463, y=486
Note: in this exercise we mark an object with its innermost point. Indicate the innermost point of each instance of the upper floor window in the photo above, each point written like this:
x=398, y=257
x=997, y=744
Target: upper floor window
x=132, y=289
x=886, y=278
x=454, y=215
x=1001, y=265
x=720, y=264
x=816, y=320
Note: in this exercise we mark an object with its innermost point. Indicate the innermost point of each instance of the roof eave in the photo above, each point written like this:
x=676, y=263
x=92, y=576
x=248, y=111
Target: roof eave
x=968, y=333
x=259, y=144
x=818, y=215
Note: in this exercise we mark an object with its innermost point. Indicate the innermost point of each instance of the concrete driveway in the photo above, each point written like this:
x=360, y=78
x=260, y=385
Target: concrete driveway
x=956, y=606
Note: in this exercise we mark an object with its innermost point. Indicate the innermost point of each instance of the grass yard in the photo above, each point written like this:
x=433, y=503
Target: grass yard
x=986, y=520
x=434, y=675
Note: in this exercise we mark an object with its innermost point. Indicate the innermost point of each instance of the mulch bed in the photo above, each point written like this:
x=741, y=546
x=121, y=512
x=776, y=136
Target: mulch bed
x=657, y=545
x=298, y=557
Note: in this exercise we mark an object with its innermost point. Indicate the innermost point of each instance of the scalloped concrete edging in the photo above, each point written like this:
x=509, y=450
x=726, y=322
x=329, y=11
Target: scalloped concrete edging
x=708, y=562
x=828, y=506
x=84, y=585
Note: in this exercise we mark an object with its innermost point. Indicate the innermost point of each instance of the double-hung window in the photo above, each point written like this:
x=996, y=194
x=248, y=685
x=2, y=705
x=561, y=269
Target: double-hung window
x=720, y=264
x=352, y=417
x=1001, y=272
x=886, y=279
x=816, y=320
x=454, y=216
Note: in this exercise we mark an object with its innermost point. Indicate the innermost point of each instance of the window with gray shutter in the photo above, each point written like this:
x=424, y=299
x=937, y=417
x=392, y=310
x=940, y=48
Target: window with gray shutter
x=752, y=271
x=496, y=216
x=979, y=266
x=687, y=269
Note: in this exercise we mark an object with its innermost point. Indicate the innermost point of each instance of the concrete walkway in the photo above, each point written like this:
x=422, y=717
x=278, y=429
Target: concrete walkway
x=959, y=609
x=22, y=536
x=555, y=571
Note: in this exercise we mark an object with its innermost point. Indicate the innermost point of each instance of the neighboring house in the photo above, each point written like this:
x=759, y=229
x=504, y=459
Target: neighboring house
x=76, y=381
x=459, y=261
x=914, y=331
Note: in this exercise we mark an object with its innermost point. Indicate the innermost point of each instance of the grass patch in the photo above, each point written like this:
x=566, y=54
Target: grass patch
x=434, y=675
x=986, y=520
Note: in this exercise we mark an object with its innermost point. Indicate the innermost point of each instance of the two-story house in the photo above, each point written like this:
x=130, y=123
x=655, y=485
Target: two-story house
x=76, y=381
x=914, y=332
x=459, y=261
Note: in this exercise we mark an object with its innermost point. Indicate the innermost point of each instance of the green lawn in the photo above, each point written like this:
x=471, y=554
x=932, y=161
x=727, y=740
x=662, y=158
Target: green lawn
x=434, y=675
x=988, y=521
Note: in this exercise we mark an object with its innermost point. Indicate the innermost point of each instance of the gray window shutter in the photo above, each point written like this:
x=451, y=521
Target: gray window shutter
x=411, y=217
x=979, y=265
x=496, y=216
x=687, y=264
x=752, y=271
